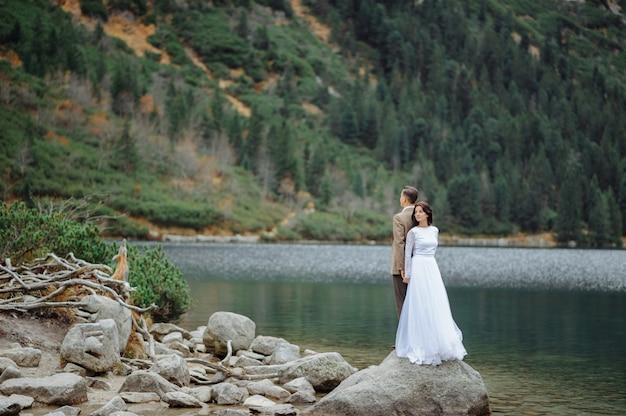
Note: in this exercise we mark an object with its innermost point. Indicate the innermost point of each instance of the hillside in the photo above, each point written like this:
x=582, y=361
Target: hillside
x=303, y=119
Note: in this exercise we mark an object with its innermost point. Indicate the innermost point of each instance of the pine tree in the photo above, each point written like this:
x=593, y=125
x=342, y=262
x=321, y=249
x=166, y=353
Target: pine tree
x=599, y=221
x=570, y=203
x=125, y=154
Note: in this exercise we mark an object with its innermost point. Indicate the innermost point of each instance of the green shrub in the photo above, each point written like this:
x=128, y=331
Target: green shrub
x=170, y=213
x=157, y=281
x=26, y=234
x=326, y=227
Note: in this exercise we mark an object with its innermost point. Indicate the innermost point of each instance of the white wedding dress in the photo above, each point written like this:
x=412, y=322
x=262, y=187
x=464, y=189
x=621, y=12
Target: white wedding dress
x=427, y=333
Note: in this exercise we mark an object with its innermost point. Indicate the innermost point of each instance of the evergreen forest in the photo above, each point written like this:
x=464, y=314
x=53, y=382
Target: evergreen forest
x=303, y=119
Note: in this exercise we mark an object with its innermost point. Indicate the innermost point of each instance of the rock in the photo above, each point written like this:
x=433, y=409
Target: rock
x=23, y=356
x=123, y=413
x=160, y=329
x=10, y=372
x=226, y=394
x=301, y=398
x=92, y=346
x=179, y=348
x=251, y=354
x=75, y=369
x=225, y=326
x=173, y=368
x=202, y=393
x=171, y=337
x=266, y=345
x=162, y=349
x=114, y=405
x=61, y=388
x=299, y=384
x=258, y=401
x=284, y=353
x=6, y=363
x=245, y=361
x=259, y=387
x=134, y=397
x=97, y=384
x=277, y=410
x=324, y=371
x=398, y=387
x=102, y=308
x=147, y=382
x=278, y=393
x=67, y=411
x=232, y=412
x=180, y=399
x=9, y=407
x=24, y=401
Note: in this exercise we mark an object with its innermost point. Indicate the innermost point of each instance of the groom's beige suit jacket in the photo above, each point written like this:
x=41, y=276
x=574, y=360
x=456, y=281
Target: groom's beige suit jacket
x=402, y=223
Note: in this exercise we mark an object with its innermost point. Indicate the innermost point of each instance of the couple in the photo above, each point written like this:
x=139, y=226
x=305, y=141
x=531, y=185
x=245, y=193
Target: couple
x=427, y=333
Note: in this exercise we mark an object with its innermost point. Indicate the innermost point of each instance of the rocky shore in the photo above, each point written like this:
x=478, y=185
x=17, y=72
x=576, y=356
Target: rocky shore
x=56, y=367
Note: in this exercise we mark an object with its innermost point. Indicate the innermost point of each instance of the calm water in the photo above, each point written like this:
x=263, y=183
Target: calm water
x=546, y=328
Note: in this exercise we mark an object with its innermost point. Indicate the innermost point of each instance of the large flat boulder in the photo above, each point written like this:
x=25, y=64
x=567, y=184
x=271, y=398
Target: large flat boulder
x=61, y=388
x=397, y=387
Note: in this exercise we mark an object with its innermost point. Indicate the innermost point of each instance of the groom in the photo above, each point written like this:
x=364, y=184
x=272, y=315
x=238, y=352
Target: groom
x=402, y=223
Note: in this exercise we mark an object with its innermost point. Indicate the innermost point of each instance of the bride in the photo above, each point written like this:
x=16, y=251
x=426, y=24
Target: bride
x=427, y=333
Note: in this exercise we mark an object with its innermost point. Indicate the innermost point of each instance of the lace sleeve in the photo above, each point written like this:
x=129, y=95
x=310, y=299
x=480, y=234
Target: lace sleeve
x=408, y=253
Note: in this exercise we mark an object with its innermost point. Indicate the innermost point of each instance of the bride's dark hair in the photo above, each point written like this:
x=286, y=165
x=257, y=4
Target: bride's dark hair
x=427, y=209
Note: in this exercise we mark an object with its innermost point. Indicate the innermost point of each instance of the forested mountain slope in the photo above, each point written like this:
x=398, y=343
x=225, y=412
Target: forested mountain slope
x=304, y=119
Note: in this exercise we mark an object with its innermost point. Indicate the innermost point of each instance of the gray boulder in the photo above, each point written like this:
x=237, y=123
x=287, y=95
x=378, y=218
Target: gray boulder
x=266, y=345
x=114, y=405
x=9, y=407
x=92, y=346
x=134, y=397
x=276, y=410
x=398, y=387
x=24, y=401
x=299, y=385
x=101, y=307
x=6, y=363
x=258, y=401
x=66, y=411
x=173, y=368
x=160, y=329
x=225, y=326
x=23, y=356
x=226, y=394
x=143, y=381
x=180, y=399
x=61, y=388
x=284, y=353
x=300, y=398
x=202, y=393
x=10, y=372
x=324, y=371
x=260, y=387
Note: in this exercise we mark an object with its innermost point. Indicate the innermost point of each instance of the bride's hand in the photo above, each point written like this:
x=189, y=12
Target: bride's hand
x=405, y=279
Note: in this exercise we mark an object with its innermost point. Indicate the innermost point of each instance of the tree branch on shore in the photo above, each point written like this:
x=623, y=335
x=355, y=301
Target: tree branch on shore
x=55, y=282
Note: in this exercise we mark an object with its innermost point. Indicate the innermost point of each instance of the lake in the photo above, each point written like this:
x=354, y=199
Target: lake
x=546, y=328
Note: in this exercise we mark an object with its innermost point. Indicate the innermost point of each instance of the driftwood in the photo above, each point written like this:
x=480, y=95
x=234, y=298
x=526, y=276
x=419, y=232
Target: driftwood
x=62, y=282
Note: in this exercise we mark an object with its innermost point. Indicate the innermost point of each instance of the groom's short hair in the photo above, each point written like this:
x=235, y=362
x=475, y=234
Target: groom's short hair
x=411, y=193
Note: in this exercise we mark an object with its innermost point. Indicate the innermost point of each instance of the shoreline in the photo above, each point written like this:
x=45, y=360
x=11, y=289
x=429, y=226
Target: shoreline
x=528, y=241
